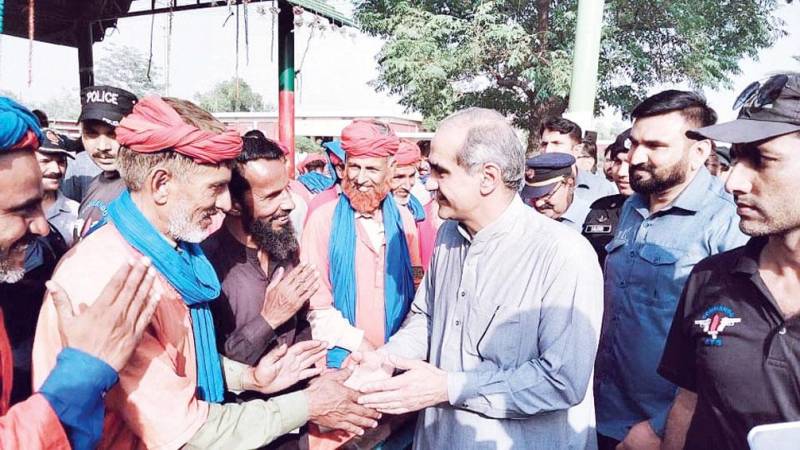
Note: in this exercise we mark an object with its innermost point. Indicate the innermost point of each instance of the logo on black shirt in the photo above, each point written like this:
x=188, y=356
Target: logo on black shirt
x=716, y=319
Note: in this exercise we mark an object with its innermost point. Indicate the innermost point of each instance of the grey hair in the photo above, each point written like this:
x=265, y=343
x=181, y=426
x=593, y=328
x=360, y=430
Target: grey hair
x=490, y=139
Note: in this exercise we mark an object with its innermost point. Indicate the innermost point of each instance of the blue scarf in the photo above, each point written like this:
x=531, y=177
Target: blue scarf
x=315, y=182
x=398, y=281
x=416, y=208
x=191, y=274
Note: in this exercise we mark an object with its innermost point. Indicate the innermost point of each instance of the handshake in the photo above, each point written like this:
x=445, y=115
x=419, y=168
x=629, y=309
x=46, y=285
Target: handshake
x=354, y=398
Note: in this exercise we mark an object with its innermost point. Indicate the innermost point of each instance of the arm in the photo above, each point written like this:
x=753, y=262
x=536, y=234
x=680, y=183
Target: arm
x=571, y=313
x=243, y=337
x=32, y=425
x=251, y=424
x=680, y=416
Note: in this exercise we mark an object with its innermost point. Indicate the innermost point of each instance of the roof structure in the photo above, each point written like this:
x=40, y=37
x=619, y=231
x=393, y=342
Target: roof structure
x=62, y=22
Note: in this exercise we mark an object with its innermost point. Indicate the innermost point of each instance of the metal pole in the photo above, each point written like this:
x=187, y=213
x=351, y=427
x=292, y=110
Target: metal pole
x=584, y=66
x=85, y=56
x=286, y=76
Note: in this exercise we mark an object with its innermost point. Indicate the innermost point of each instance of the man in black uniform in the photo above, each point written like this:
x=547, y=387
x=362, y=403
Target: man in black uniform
x=601, y=222
x=732, y=349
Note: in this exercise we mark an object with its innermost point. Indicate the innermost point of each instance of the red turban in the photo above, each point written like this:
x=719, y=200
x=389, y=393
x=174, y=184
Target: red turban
x=154, y=126
x=408, y=153
x=368, y=139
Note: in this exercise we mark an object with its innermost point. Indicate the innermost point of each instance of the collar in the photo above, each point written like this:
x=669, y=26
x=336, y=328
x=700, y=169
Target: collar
x=514, y=211
x=748, y=259
x=59, y=206
x=690, y=199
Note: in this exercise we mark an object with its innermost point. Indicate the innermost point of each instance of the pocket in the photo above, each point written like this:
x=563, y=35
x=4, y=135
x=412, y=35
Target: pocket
x=493, y=334
x=660, y=275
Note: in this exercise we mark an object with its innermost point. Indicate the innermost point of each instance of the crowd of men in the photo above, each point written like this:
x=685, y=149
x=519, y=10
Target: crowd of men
x=165, y=283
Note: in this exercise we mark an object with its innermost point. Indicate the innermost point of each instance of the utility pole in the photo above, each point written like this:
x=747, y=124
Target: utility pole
x=286, y=75
x=583, y=90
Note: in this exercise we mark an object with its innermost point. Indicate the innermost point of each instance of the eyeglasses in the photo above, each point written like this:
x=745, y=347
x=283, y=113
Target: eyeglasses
x=757, y=95
x=546, y=197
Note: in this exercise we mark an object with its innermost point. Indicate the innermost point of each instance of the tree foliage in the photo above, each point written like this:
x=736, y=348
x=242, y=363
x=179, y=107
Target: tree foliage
x=516, y=56
x=230, y=96
x=127, y=68
x=305, y=144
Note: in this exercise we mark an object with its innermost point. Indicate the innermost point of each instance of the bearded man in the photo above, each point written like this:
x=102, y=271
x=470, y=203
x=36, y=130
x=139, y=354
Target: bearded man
x=404, y=179
x=255, y=255
x=175, y=161
x=364, y=246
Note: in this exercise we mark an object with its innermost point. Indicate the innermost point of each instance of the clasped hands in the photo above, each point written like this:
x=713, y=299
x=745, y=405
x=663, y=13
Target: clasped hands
x=419, y=386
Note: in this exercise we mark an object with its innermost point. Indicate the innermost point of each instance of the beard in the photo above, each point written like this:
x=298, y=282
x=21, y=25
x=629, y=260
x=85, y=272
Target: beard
x=365, y=202
x=12, y=261
x=280, y=244
x=660, y=179
x=182, y=227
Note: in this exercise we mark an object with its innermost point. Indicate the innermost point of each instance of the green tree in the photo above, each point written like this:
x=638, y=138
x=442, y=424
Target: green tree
x=232, y=96
x=307, y=145
x=516, y=56
x=126, y=67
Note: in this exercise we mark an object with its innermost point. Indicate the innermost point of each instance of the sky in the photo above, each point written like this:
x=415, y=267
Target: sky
x=336, y=69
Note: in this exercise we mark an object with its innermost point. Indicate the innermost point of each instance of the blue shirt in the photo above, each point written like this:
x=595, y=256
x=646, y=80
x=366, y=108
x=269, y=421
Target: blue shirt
x=592, y=186
x=576, y=214
x=648, y=263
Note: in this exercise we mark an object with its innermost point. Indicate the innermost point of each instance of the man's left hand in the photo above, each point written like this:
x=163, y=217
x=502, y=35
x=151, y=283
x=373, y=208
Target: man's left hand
x=422, y=385
x=641, y=437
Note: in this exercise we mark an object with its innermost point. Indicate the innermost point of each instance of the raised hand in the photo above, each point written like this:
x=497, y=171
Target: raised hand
x=284, y=366
x=111, y=327
x=287, y=293
x=332, y=405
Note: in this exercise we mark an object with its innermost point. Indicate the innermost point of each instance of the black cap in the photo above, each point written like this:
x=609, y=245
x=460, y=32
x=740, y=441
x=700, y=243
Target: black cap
x=724, y=155
x=105, y=103
x=549, y=169
x=768, y=110
x=620, y=144
x=54, y=142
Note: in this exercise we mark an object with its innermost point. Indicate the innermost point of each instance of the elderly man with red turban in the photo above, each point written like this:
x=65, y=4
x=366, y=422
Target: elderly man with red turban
x=364, y=246
x=175, y=159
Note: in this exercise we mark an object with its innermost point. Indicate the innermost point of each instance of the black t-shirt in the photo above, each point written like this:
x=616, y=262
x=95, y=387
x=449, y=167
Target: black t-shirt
x=21, y=303
x=730, y=344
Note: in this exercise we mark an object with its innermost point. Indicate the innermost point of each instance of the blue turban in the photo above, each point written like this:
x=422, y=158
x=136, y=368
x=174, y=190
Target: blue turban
x=15, y=122
x=334, y=148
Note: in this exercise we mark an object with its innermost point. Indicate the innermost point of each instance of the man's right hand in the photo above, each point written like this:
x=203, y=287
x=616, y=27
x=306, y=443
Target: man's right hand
x=111, y=327
x=286, y=294
x=332, y=405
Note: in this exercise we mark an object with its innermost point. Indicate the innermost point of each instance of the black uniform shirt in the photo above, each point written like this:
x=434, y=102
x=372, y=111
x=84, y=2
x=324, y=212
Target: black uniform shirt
x=730, y=344
x=601, y=223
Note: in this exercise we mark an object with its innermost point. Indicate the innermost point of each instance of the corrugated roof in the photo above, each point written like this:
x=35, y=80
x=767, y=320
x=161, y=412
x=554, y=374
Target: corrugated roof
x=325, y=10
x=58, y=21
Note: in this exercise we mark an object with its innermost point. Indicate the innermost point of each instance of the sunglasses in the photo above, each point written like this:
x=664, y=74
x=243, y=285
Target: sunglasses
x=757, y=95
